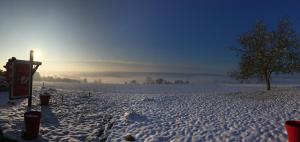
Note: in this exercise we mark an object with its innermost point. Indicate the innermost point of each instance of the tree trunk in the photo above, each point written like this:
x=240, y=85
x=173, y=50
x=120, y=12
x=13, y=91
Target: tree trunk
x=268, y=84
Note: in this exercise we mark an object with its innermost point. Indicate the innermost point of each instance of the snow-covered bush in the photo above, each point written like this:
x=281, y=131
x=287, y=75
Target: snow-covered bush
x=132, y=116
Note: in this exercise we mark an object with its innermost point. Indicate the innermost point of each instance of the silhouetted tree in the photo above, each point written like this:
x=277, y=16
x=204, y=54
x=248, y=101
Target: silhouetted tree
x=159, y=81
x=178, y=82
x=149, y=80
x=84, y=80
x=167, y=82
x=264, y=52
x=98, y=81
x=133, y=82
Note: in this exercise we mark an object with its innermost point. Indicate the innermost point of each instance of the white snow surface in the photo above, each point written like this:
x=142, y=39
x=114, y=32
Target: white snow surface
x=159, y=113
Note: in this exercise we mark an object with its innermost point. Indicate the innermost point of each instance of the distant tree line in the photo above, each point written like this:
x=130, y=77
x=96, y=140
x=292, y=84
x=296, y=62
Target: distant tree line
x=38, y=77
x=98, y=81
x=150, y=80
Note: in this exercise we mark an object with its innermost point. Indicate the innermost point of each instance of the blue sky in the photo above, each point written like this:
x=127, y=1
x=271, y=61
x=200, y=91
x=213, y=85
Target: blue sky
x=134, y=35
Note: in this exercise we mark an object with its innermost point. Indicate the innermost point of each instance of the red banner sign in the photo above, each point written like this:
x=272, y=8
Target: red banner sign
x=21, y=78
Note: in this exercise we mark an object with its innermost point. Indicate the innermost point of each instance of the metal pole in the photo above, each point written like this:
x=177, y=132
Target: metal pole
x=31, y=65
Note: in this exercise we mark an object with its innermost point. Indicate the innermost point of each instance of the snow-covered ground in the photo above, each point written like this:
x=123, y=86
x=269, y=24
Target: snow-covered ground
x=159, y=113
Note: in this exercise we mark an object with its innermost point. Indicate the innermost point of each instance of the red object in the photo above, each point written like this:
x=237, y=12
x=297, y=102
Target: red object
x=293, y=130
x=21, y=79
x=32, y=124
x=44, y=99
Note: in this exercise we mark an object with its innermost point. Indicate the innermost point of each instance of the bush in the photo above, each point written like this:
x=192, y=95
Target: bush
x=159, y=81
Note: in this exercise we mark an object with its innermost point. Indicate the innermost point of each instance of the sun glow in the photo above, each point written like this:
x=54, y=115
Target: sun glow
x=37, y=54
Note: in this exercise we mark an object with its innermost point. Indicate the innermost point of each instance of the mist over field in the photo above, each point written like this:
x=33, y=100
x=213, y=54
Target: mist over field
x=195, y=78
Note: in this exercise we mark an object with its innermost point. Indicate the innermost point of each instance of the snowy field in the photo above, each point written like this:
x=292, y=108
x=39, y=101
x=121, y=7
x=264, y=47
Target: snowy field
x=159, y=113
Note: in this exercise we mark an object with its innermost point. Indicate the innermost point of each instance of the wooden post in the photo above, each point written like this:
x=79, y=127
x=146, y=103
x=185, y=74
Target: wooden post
x=89, y=93
x=30, y=89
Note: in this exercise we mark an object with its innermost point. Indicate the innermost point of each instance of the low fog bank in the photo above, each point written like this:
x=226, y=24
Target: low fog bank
x=160, y=78
x=141, y=77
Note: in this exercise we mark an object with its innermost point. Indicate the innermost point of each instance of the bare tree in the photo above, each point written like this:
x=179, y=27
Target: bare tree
x=264, y=52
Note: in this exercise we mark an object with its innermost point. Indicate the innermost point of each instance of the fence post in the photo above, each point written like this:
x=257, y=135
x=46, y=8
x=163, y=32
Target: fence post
x=31, y=65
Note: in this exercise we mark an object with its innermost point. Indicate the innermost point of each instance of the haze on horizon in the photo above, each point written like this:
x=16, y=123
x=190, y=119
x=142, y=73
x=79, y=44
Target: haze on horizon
x=133, y=36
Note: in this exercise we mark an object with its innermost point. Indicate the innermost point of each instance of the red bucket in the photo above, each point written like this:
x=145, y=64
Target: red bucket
x=32, y=124
x=44, y=99
x=293, y=130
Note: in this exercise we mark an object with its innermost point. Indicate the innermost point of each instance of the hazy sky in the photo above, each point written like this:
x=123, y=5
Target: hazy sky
x=134, y=35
